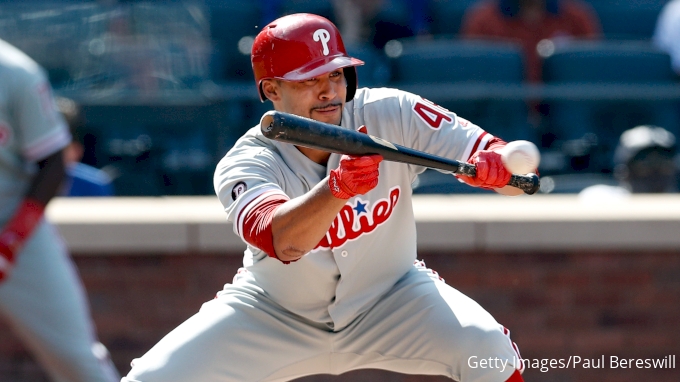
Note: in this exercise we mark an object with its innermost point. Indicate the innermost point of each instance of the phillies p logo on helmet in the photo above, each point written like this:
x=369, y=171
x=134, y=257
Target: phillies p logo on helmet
x=323, y=36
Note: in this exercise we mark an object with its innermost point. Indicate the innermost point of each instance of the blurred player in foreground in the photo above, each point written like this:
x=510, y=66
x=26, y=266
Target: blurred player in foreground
x=330, y=281
x=41, y=296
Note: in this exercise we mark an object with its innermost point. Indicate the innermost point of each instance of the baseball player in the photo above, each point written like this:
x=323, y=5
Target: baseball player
x=40, y=294
x=330, y=281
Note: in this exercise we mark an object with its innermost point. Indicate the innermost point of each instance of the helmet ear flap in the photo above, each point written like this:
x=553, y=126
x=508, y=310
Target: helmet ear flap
x=263, y=97
x=352, y=82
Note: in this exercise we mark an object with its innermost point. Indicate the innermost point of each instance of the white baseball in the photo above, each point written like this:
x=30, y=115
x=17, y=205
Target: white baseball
x=519, y=157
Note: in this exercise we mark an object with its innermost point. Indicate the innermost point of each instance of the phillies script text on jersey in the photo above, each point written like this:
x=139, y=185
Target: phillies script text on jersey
x=354, y=221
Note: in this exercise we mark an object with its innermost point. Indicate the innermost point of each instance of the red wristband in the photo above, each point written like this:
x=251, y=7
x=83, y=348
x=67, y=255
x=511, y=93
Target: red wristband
x=22, y=224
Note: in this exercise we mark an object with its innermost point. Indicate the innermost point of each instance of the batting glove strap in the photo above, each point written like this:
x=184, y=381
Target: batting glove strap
x=338, y=189
x=355, y=175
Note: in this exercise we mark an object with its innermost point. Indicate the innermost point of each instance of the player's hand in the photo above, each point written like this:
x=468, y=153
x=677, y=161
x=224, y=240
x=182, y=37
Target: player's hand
x=355, y=175
x=491, y=173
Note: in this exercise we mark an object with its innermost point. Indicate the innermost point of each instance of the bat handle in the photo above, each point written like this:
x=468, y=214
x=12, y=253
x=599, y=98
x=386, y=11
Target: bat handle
x=528, y=183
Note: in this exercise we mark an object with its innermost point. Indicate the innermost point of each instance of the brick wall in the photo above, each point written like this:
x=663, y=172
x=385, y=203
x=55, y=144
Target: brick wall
x=587, y=304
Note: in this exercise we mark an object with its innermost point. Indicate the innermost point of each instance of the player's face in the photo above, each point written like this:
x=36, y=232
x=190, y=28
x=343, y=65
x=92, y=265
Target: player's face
x=321, y=98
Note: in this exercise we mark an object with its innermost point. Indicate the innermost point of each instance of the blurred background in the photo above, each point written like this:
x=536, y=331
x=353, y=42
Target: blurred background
x=166, y=87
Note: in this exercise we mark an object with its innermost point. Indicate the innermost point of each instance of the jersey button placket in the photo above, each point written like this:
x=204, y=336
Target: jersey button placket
x=344, y=253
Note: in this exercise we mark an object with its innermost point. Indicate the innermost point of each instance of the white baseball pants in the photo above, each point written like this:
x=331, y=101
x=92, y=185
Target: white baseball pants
x=422, y=326
x=44, y=302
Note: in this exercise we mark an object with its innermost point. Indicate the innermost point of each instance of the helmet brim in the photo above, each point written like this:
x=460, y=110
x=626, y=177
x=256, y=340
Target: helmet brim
x=319, y=67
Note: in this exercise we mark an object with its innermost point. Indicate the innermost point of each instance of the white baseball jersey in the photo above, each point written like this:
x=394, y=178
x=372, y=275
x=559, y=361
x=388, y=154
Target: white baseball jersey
x=42, y=299
x=359, y=299
x=372, y=242
x=31, y=127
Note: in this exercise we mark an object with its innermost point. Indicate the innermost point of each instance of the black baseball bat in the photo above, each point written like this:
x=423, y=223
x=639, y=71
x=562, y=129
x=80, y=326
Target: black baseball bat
x=307, y=132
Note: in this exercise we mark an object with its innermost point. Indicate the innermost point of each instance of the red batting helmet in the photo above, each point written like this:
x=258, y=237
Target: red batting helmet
x=298, y=47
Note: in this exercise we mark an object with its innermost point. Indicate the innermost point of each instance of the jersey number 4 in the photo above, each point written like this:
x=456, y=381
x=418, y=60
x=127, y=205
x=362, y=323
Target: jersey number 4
x=432, y=114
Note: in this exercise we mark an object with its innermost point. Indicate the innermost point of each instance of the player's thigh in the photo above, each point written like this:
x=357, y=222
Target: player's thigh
x=424, y=326
x=46, y=305
x=238, y=336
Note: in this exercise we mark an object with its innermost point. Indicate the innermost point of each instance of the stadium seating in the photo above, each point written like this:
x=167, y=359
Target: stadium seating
x=451, y=60
x=375, y=71
x=628, y=19
x=319, y=7
x=467, y=66
x=462, y=67
x=479, y=80
x=130, y=156
x=232, y=23
x=447, y=15
x=614, y=67
x=607, y=62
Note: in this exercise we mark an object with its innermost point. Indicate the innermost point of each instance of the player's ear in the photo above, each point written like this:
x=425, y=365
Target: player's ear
x=271, y=90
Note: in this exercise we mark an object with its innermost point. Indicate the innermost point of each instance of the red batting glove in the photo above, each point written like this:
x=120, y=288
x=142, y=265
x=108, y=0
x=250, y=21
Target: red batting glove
x=15, y=233
x=491, y=172
x=355, y=175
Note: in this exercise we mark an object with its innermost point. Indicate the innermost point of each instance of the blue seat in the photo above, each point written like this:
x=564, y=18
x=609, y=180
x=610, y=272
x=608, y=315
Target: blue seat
x=460, y=61
x=466, y=62
x=628, y=19
x=608, y=63
x=375, y=71
x=131, y=155
x=447, y=15
x=319, y=7
x=232, y=19
x=230, y=22
x=186, y=159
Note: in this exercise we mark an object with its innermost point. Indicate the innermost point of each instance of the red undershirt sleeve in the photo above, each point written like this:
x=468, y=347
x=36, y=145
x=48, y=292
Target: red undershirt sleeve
x=257, y=222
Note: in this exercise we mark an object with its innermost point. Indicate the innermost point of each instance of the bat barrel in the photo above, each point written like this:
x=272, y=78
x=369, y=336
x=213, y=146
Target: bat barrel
x=326, y=137
x=307, y=132
x=323, y=136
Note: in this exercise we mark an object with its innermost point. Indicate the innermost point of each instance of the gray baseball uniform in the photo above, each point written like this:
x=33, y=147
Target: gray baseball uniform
x=42, y=299
x=360, y=299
